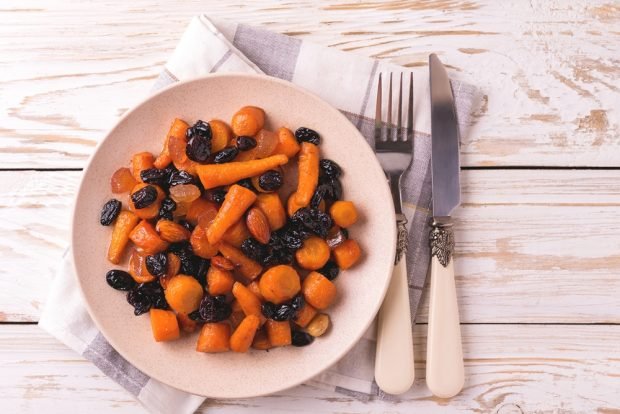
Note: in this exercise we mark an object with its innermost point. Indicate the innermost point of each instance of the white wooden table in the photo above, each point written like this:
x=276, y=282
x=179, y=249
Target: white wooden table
x=538, y=264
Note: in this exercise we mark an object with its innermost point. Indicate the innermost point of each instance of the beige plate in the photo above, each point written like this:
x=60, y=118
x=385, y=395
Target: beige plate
x=361, y=289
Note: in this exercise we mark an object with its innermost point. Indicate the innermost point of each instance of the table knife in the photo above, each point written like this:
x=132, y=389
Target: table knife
x=444, y=353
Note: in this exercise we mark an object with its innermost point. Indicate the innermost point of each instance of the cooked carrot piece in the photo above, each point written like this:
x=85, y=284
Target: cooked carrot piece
x=186, y=323
x=140, y=162
x=287, y=143
x=122, y=181
x=255, y=288
x=347, y=254
x=237, y=201
x=164, y=325
x=201, y=212
x=237, y=233
x=177, y=129
x=125, y=223
x=243, y=336
x=216, y=175
x=214, y=337
x=152, y=210
x=173, y=266
x=279, y=333
x=292, y=205
x=172, y=232
x=305, y=315
x=261, y=341
x=220, y=281
x=221, y=134
x=183, y=294
x=271, y=205
x=137, y=267
x=222, y=263
x=308, y=173
x=247, y=300
x=318, y=291
x=201, y=245
x=343, y=213
x=248, y=120
x=279, y=284
x=237, y=314
x=246, y=267
x=314, y=253
x=146, y=238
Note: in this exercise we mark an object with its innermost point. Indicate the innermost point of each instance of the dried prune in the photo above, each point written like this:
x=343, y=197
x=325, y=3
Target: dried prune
x=168, y=204
x=154, y=176
x=144, y=197
x=254, y=250
x=199, y=141
x=179, y=177
x=155, y=293
x=313, y=220
x=217, y=195
x=189, y=226
x=270, y=180
x=284, y=312
x=214, y=309
x=165, y=214
x=201, y=267
x=109, y=212
x=120, y=280
x=329, y=189
x=245, y=143
x=225, y=155
x=268, y=309
x=156, y=264
x=140, y=301
x=304, y=134
x=329, y=168
x=330, y=270
x=300, y=338
x=247, y=183
x=297, y=302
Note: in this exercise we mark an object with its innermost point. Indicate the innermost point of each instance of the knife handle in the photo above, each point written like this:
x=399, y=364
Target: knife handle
x=445, y=374
x=394, y=364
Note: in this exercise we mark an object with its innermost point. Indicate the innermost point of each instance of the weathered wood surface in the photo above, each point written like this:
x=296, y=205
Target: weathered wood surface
x=549, y=69
x=533, y=246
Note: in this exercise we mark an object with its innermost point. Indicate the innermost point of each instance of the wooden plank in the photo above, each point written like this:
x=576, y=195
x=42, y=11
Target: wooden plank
x=509, y=369
x=549, y=70
x=532, y=246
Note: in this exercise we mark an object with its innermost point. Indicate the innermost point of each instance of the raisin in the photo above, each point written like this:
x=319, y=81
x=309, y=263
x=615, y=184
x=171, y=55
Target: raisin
x=247, y=183
x=270, y=180
x=225, y=155
x=109, y=212
x=313, y=220
x=304, y=134
x=245, y=143
x=329, y=168
x=144, y=197
x=297, y=302
x=120, y=280
x=300, y=338
x=179, y=177
x=329, y=189
x=189, y=226
x=155, y=293
x=156, y=264
x=168, y=204
x=214, y=309
x=268, y=309
x=199, y=142
x=284, y=312
x=217, y=195
x=140, y=301
x=201, y=267
x=330, y=270
x=253, y=249
x=154, y=176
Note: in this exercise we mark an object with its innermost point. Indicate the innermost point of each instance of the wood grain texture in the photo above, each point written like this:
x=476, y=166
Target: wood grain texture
x=549, y=70
x=532, y=246
x=561, y=369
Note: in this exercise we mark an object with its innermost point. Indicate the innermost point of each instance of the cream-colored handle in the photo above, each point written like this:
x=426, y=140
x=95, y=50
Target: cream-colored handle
x=445, y=373
x=394, y=366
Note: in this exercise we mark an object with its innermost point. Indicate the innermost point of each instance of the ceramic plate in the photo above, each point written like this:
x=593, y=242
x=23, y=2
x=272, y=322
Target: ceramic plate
x=360, y=290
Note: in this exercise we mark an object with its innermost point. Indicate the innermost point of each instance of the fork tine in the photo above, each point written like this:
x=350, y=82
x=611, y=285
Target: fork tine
x=399, y=119
x=389, y=120
x=410, y=110
x=378, y=124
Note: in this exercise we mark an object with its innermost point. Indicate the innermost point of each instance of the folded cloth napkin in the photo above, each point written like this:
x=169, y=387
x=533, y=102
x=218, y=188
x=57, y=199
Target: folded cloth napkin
x=345, y=80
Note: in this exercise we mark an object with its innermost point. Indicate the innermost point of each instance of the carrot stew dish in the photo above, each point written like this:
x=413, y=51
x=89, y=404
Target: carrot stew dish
x=212, y=245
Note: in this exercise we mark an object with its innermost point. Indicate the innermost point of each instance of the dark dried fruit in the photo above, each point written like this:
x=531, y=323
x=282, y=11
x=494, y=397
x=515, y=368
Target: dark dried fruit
x=328, y=189
x=155, y=293
x=254, y=250
x=199, y=141
x=144, y=197
x=140, y=301
x=268, y=309
x=154, y=176
x=156, y=264
x=109, y=212
x=329, y=168
x=300, y=338
x=217, y=195
x=168, y=204
x=165, y=214
x=179, y=177
x=297, y=302
x=189, y=226
x=214, y=309
x=245, y=143
x=120, y=280
x=313, y=221
x=225, y=155
x=284, y=312
x=304, y=134
x=271, y=180
x=330, y=270
x=247, y=183
x=201, y=267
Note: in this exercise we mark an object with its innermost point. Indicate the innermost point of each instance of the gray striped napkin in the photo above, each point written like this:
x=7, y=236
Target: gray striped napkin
x=347, y=82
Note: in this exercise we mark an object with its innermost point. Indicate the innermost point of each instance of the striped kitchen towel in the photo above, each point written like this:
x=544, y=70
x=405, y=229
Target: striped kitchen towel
x=347, y=82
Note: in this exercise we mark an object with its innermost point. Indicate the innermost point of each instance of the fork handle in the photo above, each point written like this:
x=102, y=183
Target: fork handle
x=394, y=364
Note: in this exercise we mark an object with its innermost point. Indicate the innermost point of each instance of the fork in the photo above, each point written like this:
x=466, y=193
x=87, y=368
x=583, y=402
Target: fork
x=394, y=363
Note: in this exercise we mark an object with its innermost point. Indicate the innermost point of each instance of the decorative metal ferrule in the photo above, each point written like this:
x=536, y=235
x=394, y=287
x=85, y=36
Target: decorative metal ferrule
x=442, y=239
x=402, y=240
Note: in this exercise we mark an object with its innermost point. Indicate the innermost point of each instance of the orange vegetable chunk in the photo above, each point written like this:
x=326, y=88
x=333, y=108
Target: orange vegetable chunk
x=279, y=333
x=314, y=253
x=245, y=266
x=183, y=294
x=186, y=323
x=347, y=254
x=237, y=201
x=279, y=284
x=122, y=181
x=248, y=120
x=214, y=337
x=287, y=143
x=164, y=325
x=305, y=315
x=177, y=129
x=318, y=291
x=343, y=213
x=140, y=162
x=248, y=301
x=237, y=233
x=146, y=238
x=220, y=282
x=221, y=135
x=261, y=341
x=308, y=173
x=137, y=268
x=217, y=175
x=271, y=205
x=125, y=223
x=243, y=336
x=201, y=245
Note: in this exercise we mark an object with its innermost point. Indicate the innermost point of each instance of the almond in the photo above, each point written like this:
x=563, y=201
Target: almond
x=171, y=231
x=258, y=225
x=222, y=263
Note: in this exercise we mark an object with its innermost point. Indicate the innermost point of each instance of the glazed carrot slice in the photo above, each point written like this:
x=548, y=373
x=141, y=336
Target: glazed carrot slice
x=220, y=281
x=261, y=341
x=183, y=294
x=177, y=129
x=247, y=300
x=146, y=238
x=201, y=245
x=292, y=205
x=305, y=315
x=237, y=233
x=343, y=213
x=279, y=333
x=237, y=201
x=287, y=143
x=271, y=205
x=245, y=266
x=314, y=253
x=308, y=173
x=347, y=253
x=214, y=337
x=248, y=120
x=137, y=268
x=279, y=284
x=140, y=162
x=164, y=325
x=125, y=223
x=254, y=288
x=186, y=323
x=243, y=336
x=221, y=135
x=216, y=175
x=202, y=212
x=318, y=291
